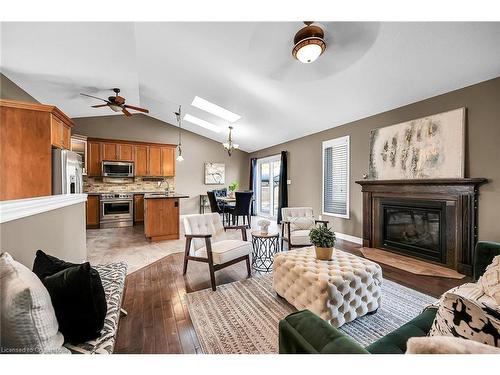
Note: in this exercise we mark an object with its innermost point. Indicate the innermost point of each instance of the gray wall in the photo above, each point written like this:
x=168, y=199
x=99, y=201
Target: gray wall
x=9, y=90
x=196, y=151
x=59, y=232
x=482, y=154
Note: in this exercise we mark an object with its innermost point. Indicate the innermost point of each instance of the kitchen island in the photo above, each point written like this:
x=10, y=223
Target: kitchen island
x=161, y=216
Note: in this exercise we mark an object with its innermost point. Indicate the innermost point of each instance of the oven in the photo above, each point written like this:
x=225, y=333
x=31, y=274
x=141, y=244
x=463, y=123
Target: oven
x=117, y=210
x=118, y=169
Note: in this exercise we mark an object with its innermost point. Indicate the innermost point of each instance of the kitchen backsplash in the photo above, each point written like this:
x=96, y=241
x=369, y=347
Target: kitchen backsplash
x=97, y=185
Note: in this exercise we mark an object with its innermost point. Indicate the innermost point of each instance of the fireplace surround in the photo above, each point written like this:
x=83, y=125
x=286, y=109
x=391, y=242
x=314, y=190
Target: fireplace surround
x=433, y=220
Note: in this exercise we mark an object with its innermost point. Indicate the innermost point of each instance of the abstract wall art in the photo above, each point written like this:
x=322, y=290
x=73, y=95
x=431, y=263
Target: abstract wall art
x=429, y=147
x=215, y=174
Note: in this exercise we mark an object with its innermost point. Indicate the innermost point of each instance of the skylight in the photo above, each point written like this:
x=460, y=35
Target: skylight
x=214, y=109
x=204, y=124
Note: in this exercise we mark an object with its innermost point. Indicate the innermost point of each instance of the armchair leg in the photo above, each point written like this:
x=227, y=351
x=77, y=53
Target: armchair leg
x=249, y=268
x=185, y=268
x=212, y=276
x=186, y=254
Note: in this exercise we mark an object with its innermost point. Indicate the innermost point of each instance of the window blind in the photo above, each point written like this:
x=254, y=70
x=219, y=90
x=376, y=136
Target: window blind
x=336, y=177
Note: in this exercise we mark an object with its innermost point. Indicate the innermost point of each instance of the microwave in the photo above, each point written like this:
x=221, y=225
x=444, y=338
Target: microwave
x=117, y=169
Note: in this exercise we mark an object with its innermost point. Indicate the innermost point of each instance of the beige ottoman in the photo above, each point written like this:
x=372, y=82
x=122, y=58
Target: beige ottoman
x=339, y=290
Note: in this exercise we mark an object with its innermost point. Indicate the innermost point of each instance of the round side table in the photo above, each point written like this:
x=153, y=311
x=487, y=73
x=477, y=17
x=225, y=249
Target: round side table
x=264, y=248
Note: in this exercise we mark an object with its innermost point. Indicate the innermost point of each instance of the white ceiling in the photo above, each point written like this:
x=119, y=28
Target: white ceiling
x=247, y=68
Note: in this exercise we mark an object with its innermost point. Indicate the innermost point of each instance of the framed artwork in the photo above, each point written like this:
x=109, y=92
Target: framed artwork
x=215, y=174
x=429, y=147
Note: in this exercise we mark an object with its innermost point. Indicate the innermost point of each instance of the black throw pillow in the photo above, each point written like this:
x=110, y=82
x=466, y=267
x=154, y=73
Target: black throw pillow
x=77, y=296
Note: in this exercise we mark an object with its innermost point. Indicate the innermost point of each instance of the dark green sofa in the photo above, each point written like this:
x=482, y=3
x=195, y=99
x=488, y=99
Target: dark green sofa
x=305, y=333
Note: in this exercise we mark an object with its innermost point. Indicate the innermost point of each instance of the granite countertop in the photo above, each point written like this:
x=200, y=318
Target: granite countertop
x=158, y=195
x=131, y=192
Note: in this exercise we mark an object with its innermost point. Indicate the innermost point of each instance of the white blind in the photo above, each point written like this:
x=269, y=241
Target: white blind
x=336, y=177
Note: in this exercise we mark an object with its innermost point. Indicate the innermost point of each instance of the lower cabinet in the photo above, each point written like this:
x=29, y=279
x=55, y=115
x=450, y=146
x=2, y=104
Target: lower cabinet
x=138, y=208
x=92, y=209
x=161, y=218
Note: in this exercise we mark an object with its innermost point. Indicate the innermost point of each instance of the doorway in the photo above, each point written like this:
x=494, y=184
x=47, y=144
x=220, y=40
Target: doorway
x=268, y=180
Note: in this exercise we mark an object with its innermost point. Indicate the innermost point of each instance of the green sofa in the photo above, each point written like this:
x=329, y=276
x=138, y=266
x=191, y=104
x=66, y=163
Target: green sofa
x=303, y=332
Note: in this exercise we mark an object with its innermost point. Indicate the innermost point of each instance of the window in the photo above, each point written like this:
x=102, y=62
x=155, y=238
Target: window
x=336, y=177
x=268, y=180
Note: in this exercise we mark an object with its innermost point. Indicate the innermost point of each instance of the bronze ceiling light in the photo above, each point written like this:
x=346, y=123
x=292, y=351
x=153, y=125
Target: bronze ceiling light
x=308, y=43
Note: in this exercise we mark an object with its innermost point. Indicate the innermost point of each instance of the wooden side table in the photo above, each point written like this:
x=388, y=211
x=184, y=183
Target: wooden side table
x=265, y=246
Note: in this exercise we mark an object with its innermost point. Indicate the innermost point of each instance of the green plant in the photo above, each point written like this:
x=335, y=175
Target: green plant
x=322, y=236
x=233, y=186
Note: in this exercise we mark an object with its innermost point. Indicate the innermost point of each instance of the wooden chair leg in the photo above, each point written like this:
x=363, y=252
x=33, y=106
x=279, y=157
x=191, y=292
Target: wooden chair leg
x=212, y=276
x=249, y=268
x=186, y=254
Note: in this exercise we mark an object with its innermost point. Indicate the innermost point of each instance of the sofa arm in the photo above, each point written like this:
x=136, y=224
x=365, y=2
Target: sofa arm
x=303, y=332
x=483, y=256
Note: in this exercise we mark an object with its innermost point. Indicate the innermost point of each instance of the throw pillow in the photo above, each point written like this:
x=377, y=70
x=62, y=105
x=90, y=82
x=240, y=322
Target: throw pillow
x=490, y=281
x=301, y=223
x=460, y=317
x=77, y=296
x=447, y=345
x=28, y=320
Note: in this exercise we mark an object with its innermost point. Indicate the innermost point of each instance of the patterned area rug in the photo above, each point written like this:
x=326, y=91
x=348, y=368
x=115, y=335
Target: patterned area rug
x=242, y=317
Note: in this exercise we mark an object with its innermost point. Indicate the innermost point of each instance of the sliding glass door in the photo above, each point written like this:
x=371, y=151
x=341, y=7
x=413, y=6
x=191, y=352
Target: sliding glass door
x=268, y=179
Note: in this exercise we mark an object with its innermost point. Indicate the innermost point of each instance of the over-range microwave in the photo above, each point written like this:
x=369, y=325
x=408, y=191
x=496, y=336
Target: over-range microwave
x=117, y=169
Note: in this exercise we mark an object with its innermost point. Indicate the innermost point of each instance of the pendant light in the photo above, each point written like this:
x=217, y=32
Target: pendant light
x=229, y=146
x=179, y=144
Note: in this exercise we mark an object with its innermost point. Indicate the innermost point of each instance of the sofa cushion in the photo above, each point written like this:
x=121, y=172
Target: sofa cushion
x=447, y=345
x=300, y=237
x=224, y=251
x=301, y=223
x=461, y=317
x=46, y=265
x=490, y=281
x=28, y=320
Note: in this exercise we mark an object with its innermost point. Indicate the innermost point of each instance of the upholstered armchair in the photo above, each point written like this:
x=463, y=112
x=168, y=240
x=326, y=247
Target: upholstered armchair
x=296, y=224
x=206, y=242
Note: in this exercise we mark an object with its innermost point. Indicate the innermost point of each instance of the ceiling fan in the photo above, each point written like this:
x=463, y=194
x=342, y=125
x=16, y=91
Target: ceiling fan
x=116, y=103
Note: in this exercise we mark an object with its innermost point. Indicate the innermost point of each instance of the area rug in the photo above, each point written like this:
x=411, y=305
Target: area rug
x=242, y=317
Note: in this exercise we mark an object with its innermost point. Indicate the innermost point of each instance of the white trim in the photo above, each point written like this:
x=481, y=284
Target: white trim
x=269, y=159
x=326, y=144
x=349, y=238
x=19, y=208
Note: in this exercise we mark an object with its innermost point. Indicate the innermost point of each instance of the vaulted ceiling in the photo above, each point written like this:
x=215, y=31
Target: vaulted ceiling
x=247, y=68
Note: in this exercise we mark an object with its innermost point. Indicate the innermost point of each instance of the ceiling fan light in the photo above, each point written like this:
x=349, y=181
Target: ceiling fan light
x=115, y=108
x=308, y=50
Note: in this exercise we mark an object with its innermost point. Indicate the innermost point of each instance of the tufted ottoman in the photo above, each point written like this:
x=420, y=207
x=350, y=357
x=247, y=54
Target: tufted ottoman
x=338, y=290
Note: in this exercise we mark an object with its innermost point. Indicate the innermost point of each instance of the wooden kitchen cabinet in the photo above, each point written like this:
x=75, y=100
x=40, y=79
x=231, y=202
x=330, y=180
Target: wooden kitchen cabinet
x=154, y=161
x=28, y=131
x=66, y=137
x=161, y=218
x=93, y=158
x=92, y=210
x=109, y=151
x=138, y=207
x=141, y=160
x=125, y=152
x=168, y=161
x=60, y=133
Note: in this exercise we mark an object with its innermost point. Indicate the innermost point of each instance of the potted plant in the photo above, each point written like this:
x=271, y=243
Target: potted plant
x=232, y=188
x=323, y=240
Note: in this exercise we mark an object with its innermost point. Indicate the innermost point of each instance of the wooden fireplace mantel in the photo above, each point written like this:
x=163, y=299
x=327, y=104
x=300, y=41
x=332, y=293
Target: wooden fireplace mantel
x=460, y=196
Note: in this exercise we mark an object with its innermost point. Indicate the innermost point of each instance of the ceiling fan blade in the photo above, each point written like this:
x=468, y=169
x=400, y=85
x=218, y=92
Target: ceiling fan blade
x=99, y=106
x=95, y=97
x=136, y=108
x=127, y=113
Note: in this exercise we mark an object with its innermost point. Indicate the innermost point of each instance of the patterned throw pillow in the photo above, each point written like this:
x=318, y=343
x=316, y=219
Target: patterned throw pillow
x=301, y=223
x=460, y=317
x=490, y=281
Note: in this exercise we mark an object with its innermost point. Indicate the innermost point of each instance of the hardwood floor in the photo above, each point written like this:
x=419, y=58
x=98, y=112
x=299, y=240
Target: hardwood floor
x=158, y=320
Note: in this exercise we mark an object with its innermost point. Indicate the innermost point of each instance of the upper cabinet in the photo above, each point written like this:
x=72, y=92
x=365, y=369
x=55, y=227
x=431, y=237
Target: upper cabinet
x=150, y=159
x=28, y=133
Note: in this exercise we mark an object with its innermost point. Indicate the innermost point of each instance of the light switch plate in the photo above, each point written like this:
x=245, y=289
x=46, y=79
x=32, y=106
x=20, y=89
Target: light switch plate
x=288, y=182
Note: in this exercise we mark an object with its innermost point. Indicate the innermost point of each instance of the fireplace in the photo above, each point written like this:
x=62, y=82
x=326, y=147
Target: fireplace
x=433, y=220
x=414, y=227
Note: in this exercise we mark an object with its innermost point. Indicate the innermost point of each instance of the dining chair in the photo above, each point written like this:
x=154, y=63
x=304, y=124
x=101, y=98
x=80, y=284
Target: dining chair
x=242, y=208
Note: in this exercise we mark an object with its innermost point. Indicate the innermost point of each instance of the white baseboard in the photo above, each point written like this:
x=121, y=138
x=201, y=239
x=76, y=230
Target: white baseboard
x=349, y=238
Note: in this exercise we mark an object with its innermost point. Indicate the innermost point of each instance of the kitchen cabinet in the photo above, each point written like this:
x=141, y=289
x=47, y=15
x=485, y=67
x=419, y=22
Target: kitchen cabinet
x=125, y=152
x=94, y=158
x=154, y=161
x=138, y=207
x=28, y=131
x=141, y=160
x=92, y=210
x=168, y=161
x=109, y=151
x=161, y=218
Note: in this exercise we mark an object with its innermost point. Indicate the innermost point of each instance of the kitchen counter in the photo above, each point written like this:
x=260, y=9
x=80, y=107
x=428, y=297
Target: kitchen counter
x=164, y=196
x=130, y=192
x=161, y=216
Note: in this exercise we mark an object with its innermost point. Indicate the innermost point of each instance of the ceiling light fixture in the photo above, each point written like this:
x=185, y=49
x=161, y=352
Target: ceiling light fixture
x=204, y=124
x=229, y=146
x=214, y=109
x=179, y=144
x=308, y=43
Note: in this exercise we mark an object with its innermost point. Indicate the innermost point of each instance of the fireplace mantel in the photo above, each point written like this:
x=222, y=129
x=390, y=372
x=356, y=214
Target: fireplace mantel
x=460, y=197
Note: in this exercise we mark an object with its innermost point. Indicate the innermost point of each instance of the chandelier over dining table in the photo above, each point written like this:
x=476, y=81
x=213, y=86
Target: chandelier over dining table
x=230, y=146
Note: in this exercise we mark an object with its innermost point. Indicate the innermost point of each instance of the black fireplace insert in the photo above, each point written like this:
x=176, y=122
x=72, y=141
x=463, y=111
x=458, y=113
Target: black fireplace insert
x=414, y=227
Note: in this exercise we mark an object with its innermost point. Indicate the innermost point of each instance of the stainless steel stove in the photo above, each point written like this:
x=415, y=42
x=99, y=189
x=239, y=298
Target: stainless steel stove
x=117, y=210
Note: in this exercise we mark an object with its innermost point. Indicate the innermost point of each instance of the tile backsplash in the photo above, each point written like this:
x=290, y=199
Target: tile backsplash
x=97, y=185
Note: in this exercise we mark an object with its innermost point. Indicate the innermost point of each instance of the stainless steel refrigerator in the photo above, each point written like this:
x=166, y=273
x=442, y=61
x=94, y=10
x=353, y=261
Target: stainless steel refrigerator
x=66, y=172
